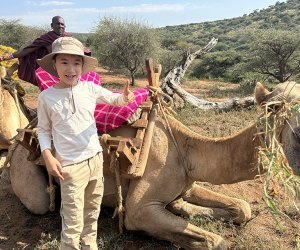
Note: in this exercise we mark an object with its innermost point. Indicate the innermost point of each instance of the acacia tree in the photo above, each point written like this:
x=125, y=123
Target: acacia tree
x=123, y=44
x=274, y=53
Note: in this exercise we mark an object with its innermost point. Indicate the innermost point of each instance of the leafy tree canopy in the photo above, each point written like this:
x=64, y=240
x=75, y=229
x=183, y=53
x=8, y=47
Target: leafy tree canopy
x=123, y=44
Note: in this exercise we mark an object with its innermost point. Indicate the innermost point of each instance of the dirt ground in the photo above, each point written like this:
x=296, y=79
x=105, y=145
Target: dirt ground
x=19, y=229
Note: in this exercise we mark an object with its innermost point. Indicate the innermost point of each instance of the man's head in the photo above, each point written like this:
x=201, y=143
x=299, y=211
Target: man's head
x=58, y=25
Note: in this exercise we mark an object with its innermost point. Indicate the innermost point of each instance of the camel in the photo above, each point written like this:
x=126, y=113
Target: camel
x=12, y=116
x=170, y=184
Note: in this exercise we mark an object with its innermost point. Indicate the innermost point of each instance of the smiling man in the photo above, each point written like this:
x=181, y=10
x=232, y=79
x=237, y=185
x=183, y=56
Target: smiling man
x=38, y=49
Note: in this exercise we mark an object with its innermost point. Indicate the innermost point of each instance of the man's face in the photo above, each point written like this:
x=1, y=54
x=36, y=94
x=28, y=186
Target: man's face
x=58, y=26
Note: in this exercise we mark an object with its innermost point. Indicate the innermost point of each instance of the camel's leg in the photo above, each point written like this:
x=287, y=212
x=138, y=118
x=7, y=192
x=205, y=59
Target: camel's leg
x=157, y=221
x=198, y=201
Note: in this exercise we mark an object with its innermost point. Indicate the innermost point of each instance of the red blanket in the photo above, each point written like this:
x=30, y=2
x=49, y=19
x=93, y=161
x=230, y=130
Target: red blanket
x=107, y=117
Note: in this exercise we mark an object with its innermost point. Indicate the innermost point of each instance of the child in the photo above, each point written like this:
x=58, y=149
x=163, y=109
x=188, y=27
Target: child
x=66, y=116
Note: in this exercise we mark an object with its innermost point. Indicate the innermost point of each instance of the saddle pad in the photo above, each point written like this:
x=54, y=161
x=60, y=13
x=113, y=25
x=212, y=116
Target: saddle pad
x=107, y=117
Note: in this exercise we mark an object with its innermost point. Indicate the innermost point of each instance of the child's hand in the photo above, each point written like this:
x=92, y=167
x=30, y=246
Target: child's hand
x=53, y=165
x=127, y=94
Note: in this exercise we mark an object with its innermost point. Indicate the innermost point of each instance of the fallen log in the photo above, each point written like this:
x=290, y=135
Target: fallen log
x=233, y=103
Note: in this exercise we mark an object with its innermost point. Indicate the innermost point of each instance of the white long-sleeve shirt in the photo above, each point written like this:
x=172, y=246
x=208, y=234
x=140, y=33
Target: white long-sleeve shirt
x=72, y=129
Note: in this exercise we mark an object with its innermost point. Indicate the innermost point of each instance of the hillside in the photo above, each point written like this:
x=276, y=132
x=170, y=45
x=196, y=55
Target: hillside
x=285, y=16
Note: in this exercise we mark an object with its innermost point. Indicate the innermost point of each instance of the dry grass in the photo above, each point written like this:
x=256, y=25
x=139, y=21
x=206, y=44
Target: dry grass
x=213, y=124
x=281, y=186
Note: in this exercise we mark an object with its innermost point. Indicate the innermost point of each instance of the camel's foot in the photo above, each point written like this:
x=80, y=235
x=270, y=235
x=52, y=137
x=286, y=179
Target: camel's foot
x=237, y=215
x=199, y=201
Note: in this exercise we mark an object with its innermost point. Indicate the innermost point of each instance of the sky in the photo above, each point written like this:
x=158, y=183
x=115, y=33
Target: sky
x=82, y=16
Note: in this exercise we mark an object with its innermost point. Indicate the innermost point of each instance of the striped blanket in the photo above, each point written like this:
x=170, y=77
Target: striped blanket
x=107, y=117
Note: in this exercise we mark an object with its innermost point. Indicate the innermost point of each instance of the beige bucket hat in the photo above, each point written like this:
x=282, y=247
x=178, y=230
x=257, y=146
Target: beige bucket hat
x=67, y=45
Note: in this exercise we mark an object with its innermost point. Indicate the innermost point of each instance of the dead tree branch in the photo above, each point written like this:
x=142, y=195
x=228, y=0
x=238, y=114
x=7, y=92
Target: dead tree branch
x=225, y=106
x=177, y=73
x=171, y=84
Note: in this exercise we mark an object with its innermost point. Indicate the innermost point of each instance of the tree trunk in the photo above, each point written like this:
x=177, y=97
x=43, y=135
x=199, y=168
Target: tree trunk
x=171, y=84
x=225, y=106
x=132, y=79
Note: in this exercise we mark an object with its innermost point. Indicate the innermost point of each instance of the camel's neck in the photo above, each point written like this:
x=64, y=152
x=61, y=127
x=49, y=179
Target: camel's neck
x=218, y=160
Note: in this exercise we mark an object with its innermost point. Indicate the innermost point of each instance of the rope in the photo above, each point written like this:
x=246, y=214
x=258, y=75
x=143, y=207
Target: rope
x=119, y=210
x=51, y=190
x=11, y=150
x=18, y=106
x=163, y=106
x=158, y=95
x=1, y=105
x=114, y=167
x=2, y=98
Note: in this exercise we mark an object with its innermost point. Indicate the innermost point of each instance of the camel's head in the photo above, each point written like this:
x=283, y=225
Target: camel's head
x=290, y=137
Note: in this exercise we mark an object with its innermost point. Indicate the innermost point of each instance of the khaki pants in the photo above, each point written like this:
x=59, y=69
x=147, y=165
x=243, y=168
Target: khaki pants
x=81, y=195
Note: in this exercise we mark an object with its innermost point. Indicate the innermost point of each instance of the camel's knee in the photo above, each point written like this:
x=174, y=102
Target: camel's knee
x=177, y=207
x=29, y=182
x=37, y=206
x=146, y=218
x=133, y=218
x=129, y=222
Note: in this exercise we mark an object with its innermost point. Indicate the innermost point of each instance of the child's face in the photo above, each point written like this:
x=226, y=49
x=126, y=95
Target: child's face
x=69, y=68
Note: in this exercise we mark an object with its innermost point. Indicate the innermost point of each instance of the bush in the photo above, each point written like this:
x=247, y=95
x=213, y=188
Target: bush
x=16, y=35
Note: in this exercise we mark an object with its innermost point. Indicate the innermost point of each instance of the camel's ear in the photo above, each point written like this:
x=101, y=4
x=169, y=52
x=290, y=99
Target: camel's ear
x=261, y=94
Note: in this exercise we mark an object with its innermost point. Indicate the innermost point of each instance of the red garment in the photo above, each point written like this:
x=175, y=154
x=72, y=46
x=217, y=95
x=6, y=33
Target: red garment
x=28, y=64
